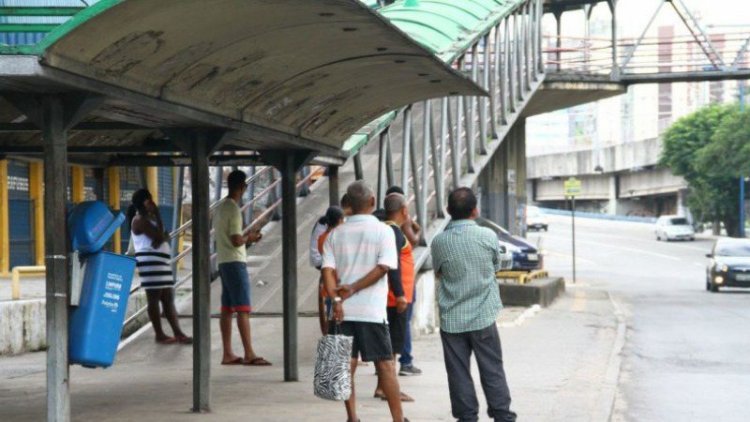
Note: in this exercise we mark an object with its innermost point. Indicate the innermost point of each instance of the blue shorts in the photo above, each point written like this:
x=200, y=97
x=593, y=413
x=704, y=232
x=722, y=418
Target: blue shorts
x=235, y=287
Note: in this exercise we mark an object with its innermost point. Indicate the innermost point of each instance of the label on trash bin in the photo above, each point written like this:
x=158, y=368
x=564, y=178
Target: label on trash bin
x=112, y=291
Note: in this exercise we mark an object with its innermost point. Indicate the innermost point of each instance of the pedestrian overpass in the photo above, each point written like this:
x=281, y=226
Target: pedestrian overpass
x=441, y=90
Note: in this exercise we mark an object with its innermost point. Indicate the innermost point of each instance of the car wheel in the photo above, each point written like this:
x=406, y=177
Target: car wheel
x=714, y=288
x=708, y=285
x=545, y=228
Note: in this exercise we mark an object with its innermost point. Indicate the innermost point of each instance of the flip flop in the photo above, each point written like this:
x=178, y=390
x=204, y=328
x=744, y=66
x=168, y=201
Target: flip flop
x=168, y=340
x=379, y=395
x=235, y=361
x=185, y=340
x=258, y=361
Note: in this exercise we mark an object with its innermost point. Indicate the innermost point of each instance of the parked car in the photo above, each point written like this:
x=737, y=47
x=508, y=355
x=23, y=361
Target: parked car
x=672, y=227
x=535, y=220
x=526, y=257
x=729, y=264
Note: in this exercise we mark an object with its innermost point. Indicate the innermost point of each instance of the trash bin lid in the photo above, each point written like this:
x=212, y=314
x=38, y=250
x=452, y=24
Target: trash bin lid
x=91, y=225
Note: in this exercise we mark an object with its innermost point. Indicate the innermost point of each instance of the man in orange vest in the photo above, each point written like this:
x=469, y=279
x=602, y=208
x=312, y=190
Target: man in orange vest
x=400, y=281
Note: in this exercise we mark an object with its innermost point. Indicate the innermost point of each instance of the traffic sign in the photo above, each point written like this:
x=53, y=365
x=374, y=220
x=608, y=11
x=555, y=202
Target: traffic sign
x=572, y=187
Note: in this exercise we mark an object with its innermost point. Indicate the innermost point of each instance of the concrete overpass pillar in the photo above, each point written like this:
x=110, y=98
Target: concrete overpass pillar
x=612, y=206
x=503, y=181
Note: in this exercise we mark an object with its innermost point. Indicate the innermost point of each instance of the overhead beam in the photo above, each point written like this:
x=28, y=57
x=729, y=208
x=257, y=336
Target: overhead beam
x=84, y=126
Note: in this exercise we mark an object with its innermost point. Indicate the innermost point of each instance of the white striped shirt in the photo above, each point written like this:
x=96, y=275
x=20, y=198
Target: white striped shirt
x=354, y=249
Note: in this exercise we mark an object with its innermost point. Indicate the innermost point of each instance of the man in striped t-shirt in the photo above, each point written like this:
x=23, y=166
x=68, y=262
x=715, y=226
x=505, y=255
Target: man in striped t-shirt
x=360, y=252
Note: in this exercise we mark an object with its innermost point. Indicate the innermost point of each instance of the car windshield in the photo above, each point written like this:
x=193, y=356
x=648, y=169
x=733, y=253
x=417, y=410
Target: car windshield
x=678, y=221
x=733, y=249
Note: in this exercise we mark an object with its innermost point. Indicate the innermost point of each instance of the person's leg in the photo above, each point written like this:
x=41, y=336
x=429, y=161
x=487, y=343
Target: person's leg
x=406, y=358
x=389, y=382
x=225, y=320
x=167, y=302
x=322, y=311
x=489, y=355
x=351, y=404
x=243, y=326
x=457, y=355
x=154, y=314
x=225, y=323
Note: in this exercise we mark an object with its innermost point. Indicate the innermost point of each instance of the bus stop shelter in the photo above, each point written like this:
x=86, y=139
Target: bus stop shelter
x=145, y=82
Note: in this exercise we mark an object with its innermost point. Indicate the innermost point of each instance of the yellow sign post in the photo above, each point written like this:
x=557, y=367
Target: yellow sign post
x=572, y=188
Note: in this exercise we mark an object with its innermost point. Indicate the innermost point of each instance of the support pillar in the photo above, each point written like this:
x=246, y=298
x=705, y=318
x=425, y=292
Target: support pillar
x=615, y=74
x=152, y=182
x=288, y=163
x=178, y=188
x=113, y=178
x=199, y=177
x=333, y=185
x=4, y=219
x=358, y=172
x=36, y=194
x=558, y=39
x=56, y=258
x=77, y=193
x=199, y=144
x=493, y=183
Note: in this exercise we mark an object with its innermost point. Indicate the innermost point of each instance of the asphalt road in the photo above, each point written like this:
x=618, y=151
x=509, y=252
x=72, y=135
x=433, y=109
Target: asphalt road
x=686, y=353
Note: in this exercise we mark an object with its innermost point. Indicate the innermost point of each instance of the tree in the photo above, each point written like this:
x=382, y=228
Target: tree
x=702, y=148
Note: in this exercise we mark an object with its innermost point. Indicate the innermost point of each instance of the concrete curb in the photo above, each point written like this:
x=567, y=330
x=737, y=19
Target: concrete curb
x=614, y=367
x=541, y=292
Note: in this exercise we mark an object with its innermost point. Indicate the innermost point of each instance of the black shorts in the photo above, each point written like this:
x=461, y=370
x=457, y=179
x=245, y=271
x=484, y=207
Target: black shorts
x=397, y=326
x=372, y=341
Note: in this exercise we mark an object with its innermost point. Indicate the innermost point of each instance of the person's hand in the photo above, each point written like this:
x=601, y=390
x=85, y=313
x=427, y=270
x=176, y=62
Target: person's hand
x=338, y=311
x=254, y=236
x=416, y=227
x=401, y=304
x=346, y=291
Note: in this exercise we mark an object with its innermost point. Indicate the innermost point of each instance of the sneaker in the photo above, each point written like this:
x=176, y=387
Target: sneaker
x=409, y=370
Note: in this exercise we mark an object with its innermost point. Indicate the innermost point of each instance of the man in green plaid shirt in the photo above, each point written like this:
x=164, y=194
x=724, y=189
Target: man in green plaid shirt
x=465, y=258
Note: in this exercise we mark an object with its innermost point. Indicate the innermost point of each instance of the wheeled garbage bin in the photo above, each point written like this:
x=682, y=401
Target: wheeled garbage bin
x=96, y=323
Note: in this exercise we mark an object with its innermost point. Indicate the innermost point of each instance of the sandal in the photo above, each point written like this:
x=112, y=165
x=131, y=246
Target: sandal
x=257, y=361
x=167, y=340
x=235, y=361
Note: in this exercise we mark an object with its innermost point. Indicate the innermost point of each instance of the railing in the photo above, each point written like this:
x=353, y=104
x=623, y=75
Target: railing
x=648, y=55
x=257, y=221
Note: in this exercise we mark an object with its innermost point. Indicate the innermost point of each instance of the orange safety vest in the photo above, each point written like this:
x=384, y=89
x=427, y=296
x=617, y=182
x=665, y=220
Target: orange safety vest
x=406, y=257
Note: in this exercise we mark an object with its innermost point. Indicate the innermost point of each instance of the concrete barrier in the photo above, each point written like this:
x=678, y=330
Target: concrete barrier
x=541, y=291
x=22, y=326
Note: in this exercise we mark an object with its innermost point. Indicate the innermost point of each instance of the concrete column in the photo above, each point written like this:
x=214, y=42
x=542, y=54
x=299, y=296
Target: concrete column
x=494, y=185
x=514, y=139
x=612, y=205
x=520, y=185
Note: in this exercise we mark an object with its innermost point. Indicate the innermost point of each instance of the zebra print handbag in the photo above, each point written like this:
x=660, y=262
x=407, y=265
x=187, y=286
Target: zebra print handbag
x=332, y=379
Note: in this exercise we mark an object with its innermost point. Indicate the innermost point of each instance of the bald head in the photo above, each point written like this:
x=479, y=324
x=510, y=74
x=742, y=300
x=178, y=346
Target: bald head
x=461, y=203
x=361, y=197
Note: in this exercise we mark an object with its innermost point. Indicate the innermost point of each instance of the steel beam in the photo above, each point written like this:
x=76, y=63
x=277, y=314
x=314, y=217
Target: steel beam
x=455, y=151
x=483, y=115
x=382, y=147
x=358, y=171
x=470, y=106
x=389, y=174
x=56, y=258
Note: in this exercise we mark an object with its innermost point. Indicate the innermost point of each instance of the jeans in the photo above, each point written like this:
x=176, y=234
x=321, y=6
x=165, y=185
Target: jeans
x=406, y=358
x=457, y=350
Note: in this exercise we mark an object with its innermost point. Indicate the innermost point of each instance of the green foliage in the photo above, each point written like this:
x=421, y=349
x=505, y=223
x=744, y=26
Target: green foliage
x=709, y=149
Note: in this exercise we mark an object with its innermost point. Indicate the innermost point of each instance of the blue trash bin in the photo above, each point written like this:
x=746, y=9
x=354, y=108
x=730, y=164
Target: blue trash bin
x=96, y=324
x=92, y=224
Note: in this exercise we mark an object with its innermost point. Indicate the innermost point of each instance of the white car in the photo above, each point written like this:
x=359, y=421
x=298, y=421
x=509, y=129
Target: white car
x=672, y=227
x=535, y=219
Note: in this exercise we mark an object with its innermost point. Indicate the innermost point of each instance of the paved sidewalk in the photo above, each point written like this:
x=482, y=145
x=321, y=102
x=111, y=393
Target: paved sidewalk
x=556, y=362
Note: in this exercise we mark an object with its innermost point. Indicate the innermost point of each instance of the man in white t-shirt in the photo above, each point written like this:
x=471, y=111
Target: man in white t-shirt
x=360, y=252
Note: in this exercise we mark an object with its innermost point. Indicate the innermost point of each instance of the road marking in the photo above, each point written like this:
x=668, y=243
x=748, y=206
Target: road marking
x=623, y=248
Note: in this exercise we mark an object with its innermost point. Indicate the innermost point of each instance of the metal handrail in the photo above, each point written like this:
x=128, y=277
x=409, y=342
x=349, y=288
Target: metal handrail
x=262, y=216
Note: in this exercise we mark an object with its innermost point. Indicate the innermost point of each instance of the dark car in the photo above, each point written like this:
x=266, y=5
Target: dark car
x=526, y=257
x=729, y=265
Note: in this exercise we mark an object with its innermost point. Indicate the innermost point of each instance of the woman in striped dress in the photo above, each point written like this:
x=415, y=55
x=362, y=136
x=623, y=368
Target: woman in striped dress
x=153, y=254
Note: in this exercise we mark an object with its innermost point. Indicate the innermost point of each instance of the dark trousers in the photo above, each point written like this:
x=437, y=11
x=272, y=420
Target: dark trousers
x=485, y=344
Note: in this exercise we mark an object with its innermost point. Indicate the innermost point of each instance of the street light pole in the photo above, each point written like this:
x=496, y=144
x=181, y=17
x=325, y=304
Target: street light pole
x=742, y=177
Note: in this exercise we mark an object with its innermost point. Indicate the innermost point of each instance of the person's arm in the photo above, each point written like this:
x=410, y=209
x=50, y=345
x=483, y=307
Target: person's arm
x=328, y=273
x=141, y=225
x=412, y=231
x=347, y=290
x=316, y=259
x=237, y=237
